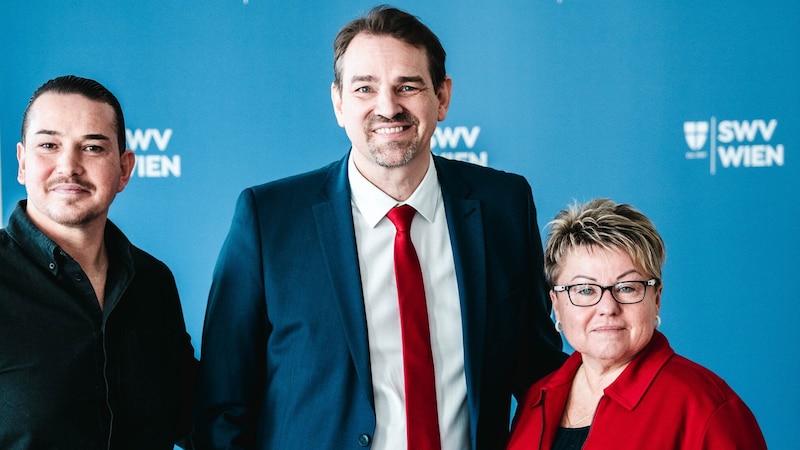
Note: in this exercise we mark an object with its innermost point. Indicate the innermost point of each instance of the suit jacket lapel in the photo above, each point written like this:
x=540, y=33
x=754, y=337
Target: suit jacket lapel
x=464, y=220
x=337, y=239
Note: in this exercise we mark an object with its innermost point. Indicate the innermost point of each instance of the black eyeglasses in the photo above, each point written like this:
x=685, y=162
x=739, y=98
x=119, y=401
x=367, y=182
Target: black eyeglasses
x=589, y=294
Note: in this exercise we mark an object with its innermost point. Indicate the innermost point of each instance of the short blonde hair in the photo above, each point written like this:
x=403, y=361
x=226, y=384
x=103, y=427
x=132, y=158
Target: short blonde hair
x=604, y=224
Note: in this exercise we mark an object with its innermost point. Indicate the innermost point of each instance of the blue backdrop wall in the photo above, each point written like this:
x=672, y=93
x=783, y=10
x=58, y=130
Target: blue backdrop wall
x=688, y=110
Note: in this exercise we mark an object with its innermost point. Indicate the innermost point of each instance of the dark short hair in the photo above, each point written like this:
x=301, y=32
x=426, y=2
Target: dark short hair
x=385, y=20
x=91, y=89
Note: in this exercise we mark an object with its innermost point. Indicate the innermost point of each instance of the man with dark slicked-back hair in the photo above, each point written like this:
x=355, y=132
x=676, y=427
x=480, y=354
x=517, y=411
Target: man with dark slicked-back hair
x=94, y=352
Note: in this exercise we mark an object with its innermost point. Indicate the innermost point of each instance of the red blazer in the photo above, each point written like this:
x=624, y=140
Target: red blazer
x=660, y=401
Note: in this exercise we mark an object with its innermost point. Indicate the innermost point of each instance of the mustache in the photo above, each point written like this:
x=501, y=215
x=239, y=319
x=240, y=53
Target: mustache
x=403, y=116
x=70, y=180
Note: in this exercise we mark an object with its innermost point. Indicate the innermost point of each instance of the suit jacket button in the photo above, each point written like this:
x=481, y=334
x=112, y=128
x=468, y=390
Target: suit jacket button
x=364, y=440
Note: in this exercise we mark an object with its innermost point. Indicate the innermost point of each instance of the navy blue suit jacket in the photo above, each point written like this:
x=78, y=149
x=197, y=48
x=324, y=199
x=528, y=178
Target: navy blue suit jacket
x=284, y=358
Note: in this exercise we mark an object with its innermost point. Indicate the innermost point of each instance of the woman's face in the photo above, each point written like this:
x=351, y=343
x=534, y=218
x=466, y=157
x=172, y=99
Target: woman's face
x=608, y=333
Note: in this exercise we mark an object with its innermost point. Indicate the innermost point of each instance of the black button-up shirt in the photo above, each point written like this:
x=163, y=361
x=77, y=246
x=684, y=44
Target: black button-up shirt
x=75, y=376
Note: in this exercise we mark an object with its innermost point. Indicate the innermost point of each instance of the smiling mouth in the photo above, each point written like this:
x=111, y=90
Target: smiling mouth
x=391, y=130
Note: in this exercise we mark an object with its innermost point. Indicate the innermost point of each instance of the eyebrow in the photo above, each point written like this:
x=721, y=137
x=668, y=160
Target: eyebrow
x=628, y=273
x=619, y=278
x=414, y=79
x=93, y=137
x=48, y=132
x=97, y=137
x=370, y=78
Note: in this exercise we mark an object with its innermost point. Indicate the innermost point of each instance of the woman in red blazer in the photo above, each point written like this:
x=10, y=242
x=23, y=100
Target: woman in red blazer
x=624, y=387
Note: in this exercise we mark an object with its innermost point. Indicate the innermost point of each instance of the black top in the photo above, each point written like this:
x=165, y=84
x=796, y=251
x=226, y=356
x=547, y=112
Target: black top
x=75, y=376
x=570, y=438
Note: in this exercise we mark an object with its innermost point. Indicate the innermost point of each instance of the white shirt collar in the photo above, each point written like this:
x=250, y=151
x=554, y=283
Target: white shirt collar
x=374, y=203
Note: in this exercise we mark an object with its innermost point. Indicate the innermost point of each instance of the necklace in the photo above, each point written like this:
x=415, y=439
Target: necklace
x=571, y=424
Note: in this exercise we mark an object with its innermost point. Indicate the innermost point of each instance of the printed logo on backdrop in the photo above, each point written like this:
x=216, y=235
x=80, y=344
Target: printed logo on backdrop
x=153, y=159
x=459, y=143
x=734, y=144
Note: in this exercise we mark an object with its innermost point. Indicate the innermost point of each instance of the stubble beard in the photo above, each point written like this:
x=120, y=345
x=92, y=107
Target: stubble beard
x=393, y=153
x=70, y=212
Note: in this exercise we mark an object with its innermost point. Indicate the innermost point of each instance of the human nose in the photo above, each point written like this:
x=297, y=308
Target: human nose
x=68, y=161
x=607, y=303
x=387, y=104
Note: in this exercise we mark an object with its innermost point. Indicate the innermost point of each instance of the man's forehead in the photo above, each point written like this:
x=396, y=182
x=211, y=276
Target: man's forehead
x=59, y=114
x=374, y=63
x=70, y=105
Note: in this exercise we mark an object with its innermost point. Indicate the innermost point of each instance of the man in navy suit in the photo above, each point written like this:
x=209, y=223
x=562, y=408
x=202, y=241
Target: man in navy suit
x=302, y=345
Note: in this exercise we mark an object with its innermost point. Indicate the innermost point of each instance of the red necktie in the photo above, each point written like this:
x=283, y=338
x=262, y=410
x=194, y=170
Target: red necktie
x=422, y=420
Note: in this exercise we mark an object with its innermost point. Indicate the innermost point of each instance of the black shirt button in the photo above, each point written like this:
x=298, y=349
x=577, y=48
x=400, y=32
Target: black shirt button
x=78, y=277
x=364, y=440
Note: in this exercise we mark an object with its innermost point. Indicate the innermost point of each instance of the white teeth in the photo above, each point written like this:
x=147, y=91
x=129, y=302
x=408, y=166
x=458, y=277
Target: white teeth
x=389, y=130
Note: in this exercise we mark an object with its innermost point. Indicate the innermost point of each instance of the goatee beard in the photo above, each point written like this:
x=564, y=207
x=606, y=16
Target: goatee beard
x=393, y=153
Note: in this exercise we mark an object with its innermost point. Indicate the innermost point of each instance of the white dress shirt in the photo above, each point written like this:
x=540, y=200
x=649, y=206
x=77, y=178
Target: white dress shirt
x=375, y=245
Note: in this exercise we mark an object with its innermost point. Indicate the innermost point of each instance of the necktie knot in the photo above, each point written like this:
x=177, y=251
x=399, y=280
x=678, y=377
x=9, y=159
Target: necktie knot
x=401, y=216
